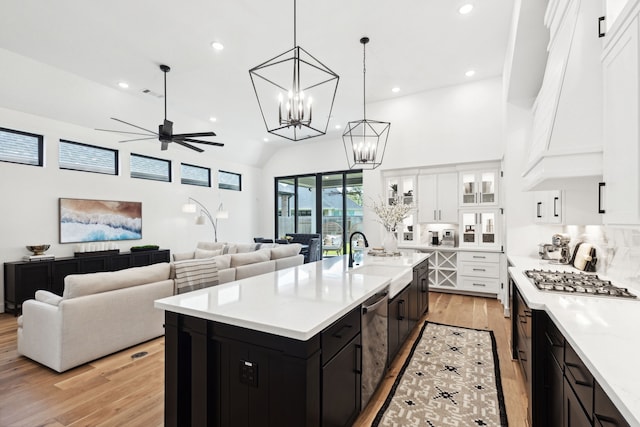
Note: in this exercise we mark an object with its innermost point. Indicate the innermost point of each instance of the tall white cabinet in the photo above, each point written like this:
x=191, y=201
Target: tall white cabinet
x=620, y=196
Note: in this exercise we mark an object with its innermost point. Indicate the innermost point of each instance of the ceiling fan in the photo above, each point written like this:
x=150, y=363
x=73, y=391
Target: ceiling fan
x=165, y=131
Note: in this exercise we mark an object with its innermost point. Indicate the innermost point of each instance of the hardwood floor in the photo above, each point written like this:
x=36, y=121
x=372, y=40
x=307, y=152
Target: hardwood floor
x=118, y=390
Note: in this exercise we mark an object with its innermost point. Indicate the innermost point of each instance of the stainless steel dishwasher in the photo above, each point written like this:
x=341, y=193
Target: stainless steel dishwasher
x=375, y=315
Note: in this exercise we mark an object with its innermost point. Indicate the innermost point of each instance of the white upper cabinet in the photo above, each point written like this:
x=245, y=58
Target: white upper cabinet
x=577, y=205
x=620, y=196
x=438, y=198
x=547, y=207
x=481, y=228
x=567, y=123
x=479, y=188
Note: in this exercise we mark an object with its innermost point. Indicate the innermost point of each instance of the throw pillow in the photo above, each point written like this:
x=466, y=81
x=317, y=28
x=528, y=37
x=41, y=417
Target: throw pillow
x=184, y=255
x=250, y=257
x=203, y=253
x=285, y=251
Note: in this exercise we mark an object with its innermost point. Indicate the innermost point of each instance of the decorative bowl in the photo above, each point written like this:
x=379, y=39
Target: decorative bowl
x=38, y=249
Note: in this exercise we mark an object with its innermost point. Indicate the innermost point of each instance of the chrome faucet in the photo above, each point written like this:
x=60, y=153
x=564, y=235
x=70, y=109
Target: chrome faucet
x=366, y=245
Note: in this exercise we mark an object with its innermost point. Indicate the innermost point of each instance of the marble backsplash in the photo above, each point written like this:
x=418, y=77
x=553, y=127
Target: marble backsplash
x=617, y=249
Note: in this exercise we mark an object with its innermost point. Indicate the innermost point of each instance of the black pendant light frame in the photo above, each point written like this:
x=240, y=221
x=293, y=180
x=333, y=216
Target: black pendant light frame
x=365, y=141
x=291, y=123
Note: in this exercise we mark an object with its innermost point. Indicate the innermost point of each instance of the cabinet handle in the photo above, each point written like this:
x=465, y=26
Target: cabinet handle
x=479, y=269
x=478, y=256
x=423, y=288
x=604, y=419
x=601, y=185
x=555, y=206
x=434, y=215
x=439, y=214
x=581, y=382
x=523, y=319
x=479, y=284
x=601, y=31
x=358, y=362
x=401, y=313
x=538, y=209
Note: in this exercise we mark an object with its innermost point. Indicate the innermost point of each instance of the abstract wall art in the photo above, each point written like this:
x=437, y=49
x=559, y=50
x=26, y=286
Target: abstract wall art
x=83, y=220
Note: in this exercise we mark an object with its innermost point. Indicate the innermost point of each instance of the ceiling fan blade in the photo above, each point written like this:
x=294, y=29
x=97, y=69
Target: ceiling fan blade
x=184, y=144
x=138, y=139
x=123, y=132
x=198, y=141
x=135, y=126
x=192, y=135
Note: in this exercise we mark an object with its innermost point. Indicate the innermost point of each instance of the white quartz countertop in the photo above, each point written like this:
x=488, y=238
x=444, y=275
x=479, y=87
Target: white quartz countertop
x=297, y=302
x=604, y=331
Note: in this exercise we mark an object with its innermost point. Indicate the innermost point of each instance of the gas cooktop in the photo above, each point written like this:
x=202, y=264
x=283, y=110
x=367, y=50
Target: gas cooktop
x=576, y=283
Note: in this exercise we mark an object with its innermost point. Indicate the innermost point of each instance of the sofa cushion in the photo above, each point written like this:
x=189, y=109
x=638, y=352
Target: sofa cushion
x=184, y=255
x=195, y=274
x=223, y=261
x=204, y=253
x=284, y=251
x=77, y=285
x=210, y=246
x=255, y=269
x=250, y=257
x=48, y=297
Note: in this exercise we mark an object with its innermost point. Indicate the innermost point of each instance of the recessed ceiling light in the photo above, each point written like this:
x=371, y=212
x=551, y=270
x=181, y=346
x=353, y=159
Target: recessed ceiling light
x=395, y=90
x=470, y=73
x=217, y=45
x=338, y=126
x=266, y=139
x=465, y=9
x=213, y=119
x=123, y=85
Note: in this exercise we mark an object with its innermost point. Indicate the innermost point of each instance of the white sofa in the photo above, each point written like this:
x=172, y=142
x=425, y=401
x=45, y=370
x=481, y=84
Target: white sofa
x=98, y=314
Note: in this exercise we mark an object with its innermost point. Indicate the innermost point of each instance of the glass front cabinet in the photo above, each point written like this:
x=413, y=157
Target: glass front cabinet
x=481, y=228
x=402, y=189
x=479, y=188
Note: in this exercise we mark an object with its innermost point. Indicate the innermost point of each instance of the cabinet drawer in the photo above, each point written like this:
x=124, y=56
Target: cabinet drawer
x=605, y=412
x=479, y=269
x=579, y=378
x=555, y=340
x=339, y=334
x=479, y=257
x=479, y=284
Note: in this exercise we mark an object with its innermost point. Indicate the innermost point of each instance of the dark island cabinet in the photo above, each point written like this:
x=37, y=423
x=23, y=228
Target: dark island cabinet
x=223, y=375
x=419, y=301
x=561, y=390
x=399, y=322
x=23, y=278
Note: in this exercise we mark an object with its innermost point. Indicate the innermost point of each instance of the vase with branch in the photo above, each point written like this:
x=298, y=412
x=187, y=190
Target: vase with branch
x=390, y=215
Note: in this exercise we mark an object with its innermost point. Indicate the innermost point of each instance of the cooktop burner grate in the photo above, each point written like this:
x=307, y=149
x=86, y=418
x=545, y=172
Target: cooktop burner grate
x=576, y=283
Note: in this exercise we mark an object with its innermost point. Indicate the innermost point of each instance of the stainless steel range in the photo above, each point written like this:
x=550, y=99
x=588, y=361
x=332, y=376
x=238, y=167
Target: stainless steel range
x=576, y=283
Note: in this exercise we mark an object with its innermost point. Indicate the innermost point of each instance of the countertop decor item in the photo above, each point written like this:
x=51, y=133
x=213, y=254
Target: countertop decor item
x=297, y=80
x=38, y=249
x=365, y=140
x=392, y=214
x=144, y=248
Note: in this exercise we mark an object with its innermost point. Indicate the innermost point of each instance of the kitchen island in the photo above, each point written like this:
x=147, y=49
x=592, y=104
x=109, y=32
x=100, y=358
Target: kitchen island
x=282, y=348
x=597, y=333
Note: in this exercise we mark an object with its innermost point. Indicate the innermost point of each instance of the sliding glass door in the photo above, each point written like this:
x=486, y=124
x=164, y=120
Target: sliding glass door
x=330, y=204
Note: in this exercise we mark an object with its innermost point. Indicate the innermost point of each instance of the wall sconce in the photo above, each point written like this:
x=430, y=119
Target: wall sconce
x=201, y=219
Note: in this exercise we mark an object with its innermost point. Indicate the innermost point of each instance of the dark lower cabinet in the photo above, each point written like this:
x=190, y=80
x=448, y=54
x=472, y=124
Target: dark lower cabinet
x=561, y=390
x=222, y=375
x=574, y=415
x=419, y=300
x=341, y=386
x=399, y=322
x=23, y=278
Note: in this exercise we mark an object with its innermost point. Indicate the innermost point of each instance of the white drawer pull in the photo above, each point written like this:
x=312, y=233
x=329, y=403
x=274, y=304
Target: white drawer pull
x=479, y=284
x=479, y=269
x=482, y=257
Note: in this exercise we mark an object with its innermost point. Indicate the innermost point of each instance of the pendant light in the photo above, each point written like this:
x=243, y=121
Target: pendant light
x=365, y=140
x=295, y=92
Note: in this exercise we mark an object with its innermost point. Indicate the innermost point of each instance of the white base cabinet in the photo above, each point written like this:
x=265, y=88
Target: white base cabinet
x=438, y=198
x=464, y=272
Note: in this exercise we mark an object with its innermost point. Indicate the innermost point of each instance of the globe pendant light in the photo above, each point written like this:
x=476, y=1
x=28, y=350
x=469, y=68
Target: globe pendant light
x=295, y=92
x=365, y=140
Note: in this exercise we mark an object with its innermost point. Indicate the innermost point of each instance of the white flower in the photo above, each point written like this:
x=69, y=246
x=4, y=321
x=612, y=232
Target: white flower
x=390, y=215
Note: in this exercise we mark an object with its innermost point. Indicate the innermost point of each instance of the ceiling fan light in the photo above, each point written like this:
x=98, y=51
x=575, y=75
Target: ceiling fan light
x=217, y=45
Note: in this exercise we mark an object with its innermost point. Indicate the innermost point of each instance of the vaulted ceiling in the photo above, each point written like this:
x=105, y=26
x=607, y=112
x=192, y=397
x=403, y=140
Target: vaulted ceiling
x=77, y=51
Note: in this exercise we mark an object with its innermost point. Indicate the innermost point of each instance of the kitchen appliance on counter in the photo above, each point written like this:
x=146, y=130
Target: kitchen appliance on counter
x=375, y=316
x=561, y=242
x=575, y=283
x=547, y=251
x=435, y=239
x=448, y=237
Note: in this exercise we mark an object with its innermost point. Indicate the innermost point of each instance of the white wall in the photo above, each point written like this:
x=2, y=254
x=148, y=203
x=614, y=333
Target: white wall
x=30, y=194
x=450, y=125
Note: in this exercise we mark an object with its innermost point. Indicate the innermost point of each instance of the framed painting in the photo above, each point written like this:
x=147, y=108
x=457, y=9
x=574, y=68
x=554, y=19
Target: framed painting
x=85, y=220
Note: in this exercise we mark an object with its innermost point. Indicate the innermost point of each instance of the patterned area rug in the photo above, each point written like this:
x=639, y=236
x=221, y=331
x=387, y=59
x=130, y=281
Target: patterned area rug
x=451, y=378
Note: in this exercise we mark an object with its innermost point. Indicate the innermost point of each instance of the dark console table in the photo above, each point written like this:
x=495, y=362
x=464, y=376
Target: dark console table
x=23, y=278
